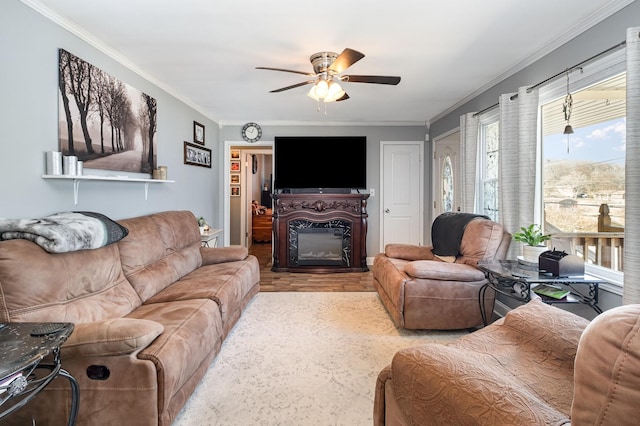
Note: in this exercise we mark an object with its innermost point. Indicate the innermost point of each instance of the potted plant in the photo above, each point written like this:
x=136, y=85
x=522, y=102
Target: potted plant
x=533, y=239
x=202, y=223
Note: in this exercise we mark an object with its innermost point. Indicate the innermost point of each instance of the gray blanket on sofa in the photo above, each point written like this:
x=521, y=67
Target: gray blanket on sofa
x=65, y=232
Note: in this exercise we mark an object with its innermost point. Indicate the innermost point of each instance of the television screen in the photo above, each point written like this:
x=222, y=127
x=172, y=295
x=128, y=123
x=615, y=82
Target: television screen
x=320, y=162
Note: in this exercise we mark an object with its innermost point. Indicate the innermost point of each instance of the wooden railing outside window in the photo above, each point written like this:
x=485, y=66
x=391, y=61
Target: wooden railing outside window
x=604, y=249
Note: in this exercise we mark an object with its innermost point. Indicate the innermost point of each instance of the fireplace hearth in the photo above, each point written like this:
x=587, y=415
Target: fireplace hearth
x=319, y=233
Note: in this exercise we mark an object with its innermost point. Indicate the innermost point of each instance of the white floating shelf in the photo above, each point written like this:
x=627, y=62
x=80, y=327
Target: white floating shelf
x=76, y=182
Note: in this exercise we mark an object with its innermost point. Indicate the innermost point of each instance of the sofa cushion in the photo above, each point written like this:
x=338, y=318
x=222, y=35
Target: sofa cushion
x=443, y=271
x=79, y=287
x=160, y=249
x=192, y=332
x=228, y=284
x=114, y=336
x=482, y=239
x=528, y=347
x=443, y=385
x=408, y=252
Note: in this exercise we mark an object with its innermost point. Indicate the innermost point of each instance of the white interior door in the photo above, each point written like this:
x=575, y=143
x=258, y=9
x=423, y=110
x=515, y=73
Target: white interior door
x=402, y=200
x=246, y=188
x=446, y=174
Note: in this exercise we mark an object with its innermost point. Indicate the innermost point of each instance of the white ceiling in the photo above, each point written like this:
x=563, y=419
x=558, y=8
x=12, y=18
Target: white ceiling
x=205, y=51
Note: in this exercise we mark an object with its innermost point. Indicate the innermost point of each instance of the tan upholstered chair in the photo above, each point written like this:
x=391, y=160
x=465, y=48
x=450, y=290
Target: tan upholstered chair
x=437, y=287
x=539, y=365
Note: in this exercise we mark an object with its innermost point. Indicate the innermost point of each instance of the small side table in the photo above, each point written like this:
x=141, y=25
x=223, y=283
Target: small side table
x=210, y=238
x=516, y=280
x=23, y=375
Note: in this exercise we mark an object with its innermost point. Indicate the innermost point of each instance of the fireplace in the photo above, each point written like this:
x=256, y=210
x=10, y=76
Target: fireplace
x=319, y=233
x=319, y=243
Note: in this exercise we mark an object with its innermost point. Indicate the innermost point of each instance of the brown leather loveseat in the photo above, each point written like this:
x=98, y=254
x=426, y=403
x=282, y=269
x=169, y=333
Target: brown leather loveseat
x=151, y=310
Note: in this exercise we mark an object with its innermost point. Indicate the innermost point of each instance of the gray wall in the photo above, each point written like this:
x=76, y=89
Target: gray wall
x=29, y=121
x=374, y=135
x=597, y=39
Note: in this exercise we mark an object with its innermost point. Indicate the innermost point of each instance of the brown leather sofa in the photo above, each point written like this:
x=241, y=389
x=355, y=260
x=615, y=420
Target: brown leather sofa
x=539, y=365
x=423, y=290
x=152, y=310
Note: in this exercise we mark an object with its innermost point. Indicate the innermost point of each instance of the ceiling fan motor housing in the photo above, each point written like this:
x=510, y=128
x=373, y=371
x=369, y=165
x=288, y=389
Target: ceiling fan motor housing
x=321, y=61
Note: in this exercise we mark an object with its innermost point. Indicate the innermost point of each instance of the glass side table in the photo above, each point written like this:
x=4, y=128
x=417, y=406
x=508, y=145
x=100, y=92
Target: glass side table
x=516, y=280
x=23, y=370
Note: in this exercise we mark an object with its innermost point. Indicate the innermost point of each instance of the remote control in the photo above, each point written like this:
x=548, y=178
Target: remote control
x=48, y=328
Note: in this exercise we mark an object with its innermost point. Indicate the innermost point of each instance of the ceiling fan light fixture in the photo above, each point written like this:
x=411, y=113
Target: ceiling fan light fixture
x=312, y=93
x=321, y=88
x=334, y=93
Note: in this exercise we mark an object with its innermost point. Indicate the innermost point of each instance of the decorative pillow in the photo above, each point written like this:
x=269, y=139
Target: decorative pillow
x=114, y=231
x=64, y=232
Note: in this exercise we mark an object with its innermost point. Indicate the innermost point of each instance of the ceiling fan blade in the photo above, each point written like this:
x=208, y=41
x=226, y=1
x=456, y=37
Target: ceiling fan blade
x=344, y=60
x=293, y=86
x=343, y=97
x=376, y=79
x=285, y=70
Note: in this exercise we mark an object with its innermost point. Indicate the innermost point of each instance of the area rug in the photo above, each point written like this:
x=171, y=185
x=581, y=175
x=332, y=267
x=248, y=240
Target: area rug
x=302, y=359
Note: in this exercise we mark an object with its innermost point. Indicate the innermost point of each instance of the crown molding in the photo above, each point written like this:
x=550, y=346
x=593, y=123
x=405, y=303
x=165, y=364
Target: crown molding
x=596, y=17
x=89, y=38
x=230, y=123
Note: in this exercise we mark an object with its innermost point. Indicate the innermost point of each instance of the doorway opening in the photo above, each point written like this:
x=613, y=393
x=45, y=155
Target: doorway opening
x=248, y=182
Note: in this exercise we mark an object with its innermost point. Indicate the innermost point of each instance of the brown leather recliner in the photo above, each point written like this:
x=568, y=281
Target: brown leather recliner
x=437, y=287
x=539, y=365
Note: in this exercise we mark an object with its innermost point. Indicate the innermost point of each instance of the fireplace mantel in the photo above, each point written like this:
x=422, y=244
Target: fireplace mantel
x=346, y=212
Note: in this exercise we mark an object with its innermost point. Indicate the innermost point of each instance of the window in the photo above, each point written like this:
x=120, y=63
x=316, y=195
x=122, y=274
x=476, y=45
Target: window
x=583, y=174
x=489, y=148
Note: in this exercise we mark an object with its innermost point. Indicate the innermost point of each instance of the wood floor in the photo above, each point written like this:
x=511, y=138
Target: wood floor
x=286, y=281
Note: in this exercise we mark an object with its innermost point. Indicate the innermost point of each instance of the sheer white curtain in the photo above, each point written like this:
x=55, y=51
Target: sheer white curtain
x=469, y=126
x=518, y=161
x=631, y=293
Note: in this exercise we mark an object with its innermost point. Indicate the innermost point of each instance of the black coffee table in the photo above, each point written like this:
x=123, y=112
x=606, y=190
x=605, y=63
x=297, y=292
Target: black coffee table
x=24, y=372
x=516, y=279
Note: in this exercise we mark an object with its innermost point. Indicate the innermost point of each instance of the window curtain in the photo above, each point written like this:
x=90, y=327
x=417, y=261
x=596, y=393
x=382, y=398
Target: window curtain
x=469, y=128
x=518, y=162
x=631, y=292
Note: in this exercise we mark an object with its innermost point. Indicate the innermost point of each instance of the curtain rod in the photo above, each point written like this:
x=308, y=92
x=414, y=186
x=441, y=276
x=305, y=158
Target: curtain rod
x=555, y=76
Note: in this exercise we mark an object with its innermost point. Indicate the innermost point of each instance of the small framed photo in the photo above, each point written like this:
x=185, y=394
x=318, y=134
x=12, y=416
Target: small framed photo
x=235, y=166
x=235, y=191
x=235, y=179
x=198, y=133
x=235, y=155
x=197, y=155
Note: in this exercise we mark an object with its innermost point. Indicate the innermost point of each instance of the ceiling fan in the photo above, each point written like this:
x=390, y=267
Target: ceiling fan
x=327, y=67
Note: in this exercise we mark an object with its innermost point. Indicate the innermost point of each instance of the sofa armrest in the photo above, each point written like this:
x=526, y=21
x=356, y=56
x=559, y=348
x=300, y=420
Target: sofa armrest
x=213, y=255
x=436, y=384
x=110, y=337
x=548, y=327
x=443, y=271
x=409, y=252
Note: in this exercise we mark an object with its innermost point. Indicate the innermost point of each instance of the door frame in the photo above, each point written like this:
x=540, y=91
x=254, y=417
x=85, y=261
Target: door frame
x=434, y=169
x=420, y=189
x=226, y=182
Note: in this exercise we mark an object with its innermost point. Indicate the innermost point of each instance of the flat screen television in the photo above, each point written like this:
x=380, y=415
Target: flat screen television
x=320, y=163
